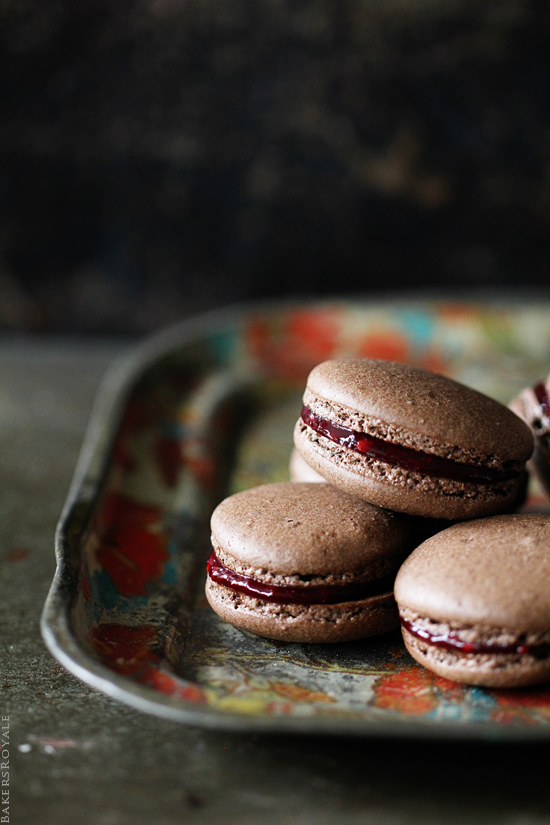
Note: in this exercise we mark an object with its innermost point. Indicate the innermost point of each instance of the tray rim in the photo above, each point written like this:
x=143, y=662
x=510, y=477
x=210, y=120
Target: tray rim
x=90, y=469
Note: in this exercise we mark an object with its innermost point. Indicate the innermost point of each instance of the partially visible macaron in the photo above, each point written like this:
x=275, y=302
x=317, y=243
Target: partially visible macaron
x=411, y=440
x=300, y=470
x=474, y=601
x=533, y=406
x=305, y=562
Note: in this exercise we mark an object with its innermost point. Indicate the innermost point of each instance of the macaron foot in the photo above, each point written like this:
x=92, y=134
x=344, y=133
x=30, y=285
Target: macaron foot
x=516, y=667
x=317, y=623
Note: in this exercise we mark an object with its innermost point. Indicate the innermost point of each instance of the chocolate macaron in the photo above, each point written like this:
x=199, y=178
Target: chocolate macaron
x=411, y=440
x=533, y=406
x=474, y=601
x=305, y=562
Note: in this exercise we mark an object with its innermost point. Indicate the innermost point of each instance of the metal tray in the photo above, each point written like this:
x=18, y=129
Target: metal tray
x=203, y=410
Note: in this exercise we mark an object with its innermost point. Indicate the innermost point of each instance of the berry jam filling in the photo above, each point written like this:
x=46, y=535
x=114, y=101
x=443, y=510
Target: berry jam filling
x=283, y=594
x=541, y=395
x=450, y=640
x=404, y=457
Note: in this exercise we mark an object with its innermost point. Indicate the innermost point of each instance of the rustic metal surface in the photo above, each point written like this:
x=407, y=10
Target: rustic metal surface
x=127, y=611
x=77, y=755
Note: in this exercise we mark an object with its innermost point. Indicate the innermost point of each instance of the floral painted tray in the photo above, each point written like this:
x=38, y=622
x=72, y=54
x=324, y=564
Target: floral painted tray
x=206, y=409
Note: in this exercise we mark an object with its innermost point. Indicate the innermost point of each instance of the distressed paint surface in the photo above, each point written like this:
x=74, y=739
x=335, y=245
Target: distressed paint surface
x=140, y=608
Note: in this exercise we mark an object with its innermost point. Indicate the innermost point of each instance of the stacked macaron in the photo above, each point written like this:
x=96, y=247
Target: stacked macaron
x=385, y=455
x=412, y=441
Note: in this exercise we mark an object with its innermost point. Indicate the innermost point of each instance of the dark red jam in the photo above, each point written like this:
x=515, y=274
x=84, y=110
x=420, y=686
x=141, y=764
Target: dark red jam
x=541, y=394
x=450, y=640
x=405, y=457
x=311, y=594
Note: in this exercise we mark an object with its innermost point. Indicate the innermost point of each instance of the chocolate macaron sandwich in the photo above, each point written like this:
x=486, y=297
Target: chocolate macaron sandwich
x=305, y=562
x=412, y=441
x=474, y=601
x=533, y=406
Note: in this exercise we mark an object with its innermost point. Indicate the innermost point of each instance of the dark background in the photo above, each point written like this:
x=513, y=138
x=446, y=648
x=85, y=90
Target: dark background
x=158, y=158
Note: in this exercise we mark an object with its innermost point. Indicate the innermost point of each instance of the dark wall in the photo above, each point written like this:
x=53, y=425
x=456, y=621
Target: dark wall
x=160, y=157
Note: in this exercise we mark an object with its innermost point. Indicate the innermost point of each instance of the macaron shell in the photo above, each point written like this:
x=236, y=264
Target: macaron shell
x=431, y=405
x=400, y=490
x=539, y=464
x=300, y=623
x=492, y=572
x=308, y=529
x=487, y=670
x=299, y=469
